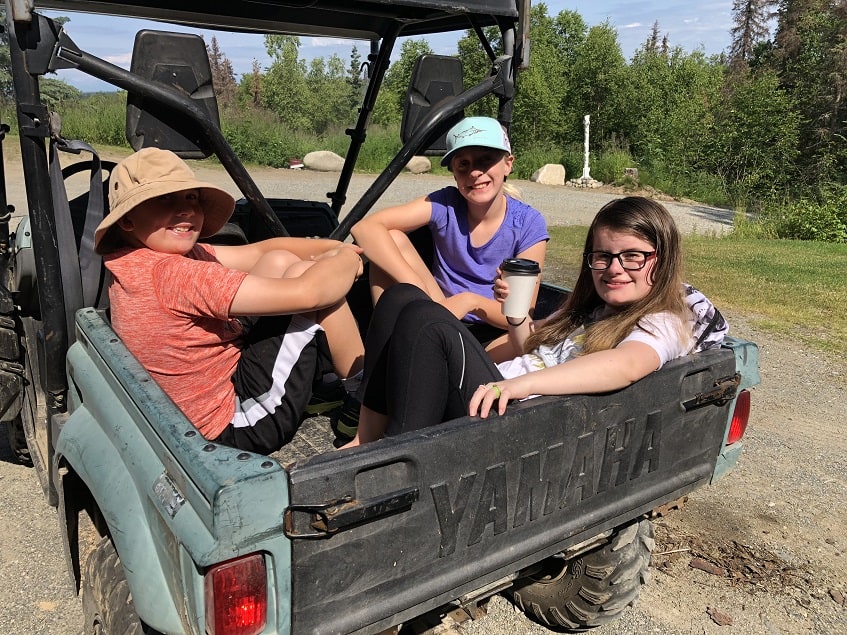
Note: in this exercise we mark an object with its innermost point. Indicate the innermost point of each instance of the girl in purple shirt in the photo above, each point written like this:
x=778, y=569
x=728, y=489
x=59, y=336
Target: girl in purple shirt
x=474, y=226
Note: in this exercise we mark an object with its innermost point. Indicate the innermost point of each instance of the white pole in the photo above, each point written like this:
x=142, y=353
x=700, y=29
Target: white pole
x=586, y=174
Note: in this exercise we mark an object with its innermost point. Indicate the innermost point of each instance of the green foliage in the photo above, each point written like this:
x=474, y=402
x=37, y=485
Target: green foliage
x=807, y=219
x=609, y=165
x=99, y=118
x=262, y=139
x=530, y=159
x=752, y=142
x=55, y=91
x=538, y=104
x=809, y=58
x=5, y=58
x=284, y=85
x=762, y=132
x=382, y=144
x=596, y=85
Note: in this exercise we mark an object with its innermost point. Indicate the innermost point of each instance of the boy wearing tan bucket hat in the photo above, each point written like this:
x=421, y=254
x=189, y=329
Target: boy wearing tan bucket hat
x=229, y=332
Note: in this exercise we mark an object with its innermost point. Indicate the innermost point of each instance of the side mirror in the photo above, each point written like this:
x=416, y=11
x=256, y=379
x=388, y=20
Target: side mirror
x=434, y=79
x=178, y=60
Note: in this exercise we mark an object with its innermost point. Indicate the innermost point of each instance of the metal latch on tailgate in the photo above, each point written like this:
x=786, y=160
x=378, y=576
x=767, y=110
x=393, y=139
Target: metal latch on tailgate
x=330, y=518
x=724, y=390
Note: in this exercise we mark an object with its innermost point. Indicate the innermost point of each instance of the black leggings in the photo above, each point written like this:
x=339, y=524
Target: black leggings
x=422, y=365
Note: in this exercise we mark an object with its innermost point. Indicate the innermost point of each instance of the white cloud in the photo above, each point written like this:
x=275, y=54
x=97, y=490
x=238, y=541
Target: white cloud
x=320, y=42
x=123, y=59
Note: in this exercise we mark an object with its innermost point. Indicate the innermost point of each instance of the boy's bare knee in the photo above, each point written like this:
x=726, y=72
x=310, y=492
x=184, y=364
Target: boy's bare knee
x=275, y=263
x=297, y=269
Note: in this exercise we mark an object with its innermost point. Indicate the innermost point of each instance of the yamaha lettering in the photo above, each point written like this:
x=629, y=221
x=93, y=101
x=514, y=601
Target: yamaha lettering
x=559, y=476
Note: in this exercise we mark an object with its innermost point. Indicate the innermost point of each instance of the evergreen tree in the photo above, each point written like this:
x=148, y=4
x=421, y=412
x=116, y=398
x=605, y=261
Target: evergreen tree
x=5, y=59
x=810, y=57
x=223, y=76
x=355, y=80
x=254, y=88
x=750, y=26
x=652, y=44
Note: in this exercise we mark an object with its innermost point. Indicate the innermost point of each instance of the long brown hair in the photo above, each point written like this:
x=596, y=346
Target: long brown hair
x=650, y=221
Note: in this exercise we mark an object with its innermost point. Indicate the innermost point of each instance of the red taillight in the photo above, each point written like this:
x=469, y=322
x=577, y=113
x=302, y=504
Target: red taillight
x=740, y=416
x=237, y=597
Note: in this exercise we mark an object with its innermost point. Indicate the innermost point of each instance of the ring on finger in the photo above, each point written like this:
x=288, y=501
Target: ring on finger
x=496, y=389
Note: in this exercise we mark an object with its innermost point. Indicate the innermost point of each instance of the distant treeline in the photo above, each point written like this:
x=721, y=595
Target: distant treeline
x=762, y=128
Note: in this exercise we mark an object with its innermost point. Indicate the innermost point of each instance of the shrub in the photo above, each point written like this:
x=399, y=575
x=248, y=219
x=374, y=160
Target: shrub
x=98, y=118
x=808, y=219
x=531, y=158
x=609, y=166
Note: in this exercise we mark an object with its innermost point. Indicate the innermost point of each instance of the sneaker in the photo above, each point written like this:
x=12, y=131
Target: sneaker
x=326, y=396
x=344, y=421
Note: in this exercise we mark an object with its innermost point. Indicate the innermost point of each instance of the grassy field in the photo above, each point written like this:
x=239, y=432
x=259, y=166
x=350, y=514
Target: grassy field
x=791, y=288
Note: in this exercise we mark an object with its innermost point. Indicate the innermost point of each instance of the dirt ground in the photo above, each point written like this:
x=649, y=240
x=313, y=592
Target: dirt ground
x=764, y=550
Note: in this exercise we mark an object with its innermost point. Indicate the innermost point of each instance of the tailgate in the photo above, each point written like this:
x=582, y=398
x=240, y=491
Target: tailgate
x=409, y=523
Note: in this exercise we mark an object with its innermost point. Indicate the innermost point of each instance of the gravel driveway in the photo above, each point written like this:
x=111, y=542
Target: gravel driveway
x=560, y=205
x=775, y=527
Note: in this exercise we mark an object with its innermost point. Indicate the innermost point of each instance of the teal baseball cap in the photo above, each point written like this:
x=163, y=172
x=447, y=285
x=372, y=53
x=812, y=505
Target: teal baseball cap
x=483, y=132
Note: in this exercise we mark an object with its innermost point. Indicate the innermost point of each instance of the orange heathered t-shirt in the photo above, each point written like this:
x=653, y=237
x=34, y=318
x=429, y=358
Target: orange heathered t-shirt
x=172, y=312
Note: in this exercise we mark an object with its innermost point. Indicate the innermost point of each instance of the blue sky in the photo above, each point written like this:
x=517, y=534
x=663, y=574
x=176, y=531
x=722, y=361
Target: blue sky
x=692, y=25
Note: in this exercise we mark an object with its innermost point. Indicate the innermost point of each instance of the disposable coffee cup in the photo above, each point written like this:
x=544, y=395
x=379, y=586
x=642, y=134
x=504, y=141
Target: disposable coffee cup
x=521, y=275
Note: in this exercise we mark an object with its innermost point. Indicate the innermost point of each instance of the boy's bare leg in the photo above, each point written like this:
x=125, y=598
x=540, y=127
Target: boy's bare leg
x=342, y=335
x=274, y=264
x=371, y=427
x=340, y=327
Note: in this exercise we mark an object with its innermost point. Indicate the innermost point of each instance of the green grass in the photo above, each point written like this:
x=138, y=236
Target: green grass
x=790, y=288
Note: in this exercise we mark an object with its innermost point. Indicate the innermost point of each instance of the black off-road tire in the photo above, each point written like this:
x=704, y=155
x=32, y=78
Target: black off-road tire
x=106, y=600
x=593, y=588
x=17, y=442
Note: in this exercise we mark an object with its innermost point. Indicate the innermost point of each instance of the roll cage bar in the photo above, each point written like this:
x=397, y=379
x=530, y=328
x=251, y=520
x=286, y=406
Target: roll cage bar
x=39, y=45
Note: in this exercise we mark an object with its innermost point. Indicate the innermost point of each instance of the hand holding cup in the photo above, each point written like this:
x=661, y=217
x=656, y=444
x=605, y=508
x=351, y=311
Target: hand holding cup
x=521, y=276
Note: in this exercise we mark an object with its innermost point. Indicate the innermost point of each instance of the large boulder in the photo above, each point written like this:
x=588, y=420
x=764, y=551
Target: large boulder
x=549, y=174
x=323, y=161
x=419, y=165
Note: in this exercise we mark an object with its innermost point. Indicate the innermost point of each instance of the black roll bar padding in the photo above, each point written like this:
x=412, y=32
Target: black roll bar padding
x=164, y=94
x=5, y=211
x=376, y=73
x=507, y=98
x=480, y=34
x=33, y=129
x=439, y=117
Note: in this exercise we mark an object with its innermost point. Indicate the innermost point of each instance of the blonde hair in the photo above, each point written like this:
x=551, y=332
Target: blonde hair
x=511, y=190
x=650, y=221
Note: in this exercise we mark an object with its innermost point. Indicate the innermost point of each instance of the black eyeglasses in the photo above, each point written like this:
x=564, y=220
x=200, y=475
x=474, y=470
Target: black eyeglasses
x=631, y=260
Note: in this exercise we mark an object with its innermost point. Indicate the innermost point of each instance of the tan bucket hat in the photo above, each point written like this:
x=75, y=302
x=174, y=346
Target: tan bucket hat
x=152, y=172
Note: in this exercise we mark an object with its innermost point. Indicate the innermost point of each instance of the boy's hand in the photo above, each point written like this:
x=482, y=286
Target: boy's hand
x=343, y=249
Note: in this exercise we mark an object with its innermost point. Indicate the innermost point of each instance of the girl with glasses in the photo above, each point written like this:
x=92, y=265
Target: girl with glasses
x=626, y=316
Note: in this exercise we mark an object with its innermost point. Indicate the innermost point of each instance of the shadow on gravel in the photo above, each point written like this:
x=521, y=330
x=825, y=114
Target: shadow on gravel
x=713, y=214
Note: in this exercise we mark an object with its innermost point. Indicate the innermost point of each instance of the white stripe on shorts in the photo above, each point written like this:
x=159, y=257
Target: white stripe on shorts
x=249, y=412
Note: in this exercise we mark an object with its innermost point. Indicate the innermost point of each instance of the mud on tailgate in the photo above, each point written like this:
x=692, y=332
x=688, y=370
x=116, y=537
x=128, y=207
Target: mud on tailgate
x=412, y=522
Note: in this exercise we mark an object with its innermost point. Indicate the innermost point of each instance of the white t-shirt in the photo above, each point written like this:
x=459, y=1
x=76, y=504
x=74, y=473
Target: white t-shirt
x=660, y=331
